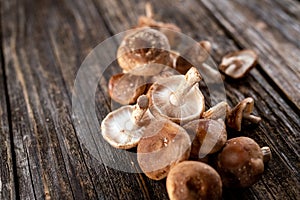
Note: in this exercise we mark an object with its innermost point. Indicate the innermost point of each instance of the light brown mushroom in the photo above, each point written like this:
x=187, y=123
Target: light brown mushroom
x=169, y=29
x=193, y=180
x=208, y=136
x=240, y=163
x=242, y=111
x=124, y=127
x=126, y=88
x=237, y=64
x=177, y=98
x=219, y=111
x=157, y=153
x=197, y=54
x=144, y=51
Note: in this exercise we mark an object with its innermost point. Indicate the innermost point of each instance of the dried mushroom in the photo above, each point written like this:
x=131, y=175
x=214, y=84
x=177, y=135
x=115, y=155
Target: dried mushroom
x=124, y=127
x=208, y=136
x=156, y=154
x=242, y=111
x=193, y=180
x=240, y=163
x=126, y=88
x=197, y=54
x=238, y=64
x=177, y=98
x=144, y=51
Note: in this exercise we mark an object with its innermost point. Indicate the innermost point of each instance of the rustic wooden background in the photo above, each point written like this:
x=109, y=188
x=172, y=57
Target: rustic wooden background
x=43, y=44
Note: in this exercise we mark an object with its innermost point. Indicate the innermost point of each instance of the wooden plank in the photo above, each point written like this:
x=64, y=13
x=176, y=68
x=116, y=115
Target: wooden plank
x=42, y=55
x=266, y=27
x=281, y=178
x=49, y=163
x=7, y=185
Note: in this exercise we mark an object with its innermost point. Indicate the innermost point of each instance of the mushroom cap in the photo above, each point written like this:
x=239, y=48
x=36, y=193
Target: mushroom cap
x=157, y=153
x=193, y=180
x=237, y=64
x=119, y=130
x=144, y=51
x=240, y=163
x=208, y=136
x=160, y=105
x=126, y=88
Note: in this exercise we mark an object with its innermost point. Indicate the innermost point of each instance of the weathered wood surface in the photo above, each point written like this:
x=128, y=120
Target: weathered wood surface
x=43, y=45
x=7, y=184
x=266, y=27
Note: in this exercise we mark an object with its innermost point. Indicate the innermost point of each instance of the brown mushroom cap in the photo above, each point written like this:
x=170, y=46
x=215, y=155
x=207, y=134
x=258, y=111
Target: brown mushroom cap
x=123, y=128
x=156, y=154
x=144, y=51
x=190, y=102
x=208, y=136
x=237, y=64
x=240, y=163
x=126, y=88
x=242, y=111
x=193, y=180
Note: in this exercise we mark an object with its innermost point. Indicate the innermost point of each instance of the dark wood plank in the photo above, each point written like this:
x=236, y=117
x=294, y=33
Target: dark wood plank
x=7, y=184
x=42, y=55
x=267, y=28
x=49, y=162
x=281, y=178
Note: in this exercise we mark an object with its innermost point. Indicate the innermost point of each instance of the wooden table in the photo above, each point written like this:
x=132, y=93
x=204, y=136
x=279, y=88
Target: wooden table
x=43, y=44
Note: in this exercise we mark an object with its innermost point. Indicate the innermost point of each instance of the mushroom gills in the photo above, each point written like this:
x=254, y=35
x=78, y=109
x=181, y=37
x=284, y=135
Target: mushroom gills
x=124, y=127
x=176, y=99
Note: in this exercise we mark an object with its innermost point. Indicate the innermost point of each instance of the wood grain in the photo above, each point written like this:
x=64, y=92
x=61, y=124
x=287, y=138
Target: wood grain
x=44, y=44
x=7, y=179
x=268, y=29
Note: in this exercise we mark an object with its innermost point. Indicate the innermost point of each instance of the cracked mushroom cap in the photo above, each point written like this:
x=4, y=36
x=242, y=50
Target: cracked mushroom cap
x=126, y=88
x=144, y=51
x=177, y=98
x=159, y=152
x=242, y=111
x=193, y=180
x=208, y=136
x=238, y=64
x=240, y=163
x=124, y=127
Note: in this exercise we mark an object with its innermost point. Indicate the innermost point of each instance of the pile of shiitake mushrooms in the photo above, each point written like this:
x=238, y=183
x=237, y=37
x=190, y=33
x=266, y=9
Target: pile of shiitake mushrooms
x=164, y=116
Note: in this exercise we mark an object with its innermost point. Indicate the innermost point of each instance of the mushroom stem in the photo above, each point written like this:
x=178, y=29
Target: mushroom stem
x=149, y=10
x=140, y=109
x=252, y=118
x=191, y=78
x=267, y=155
